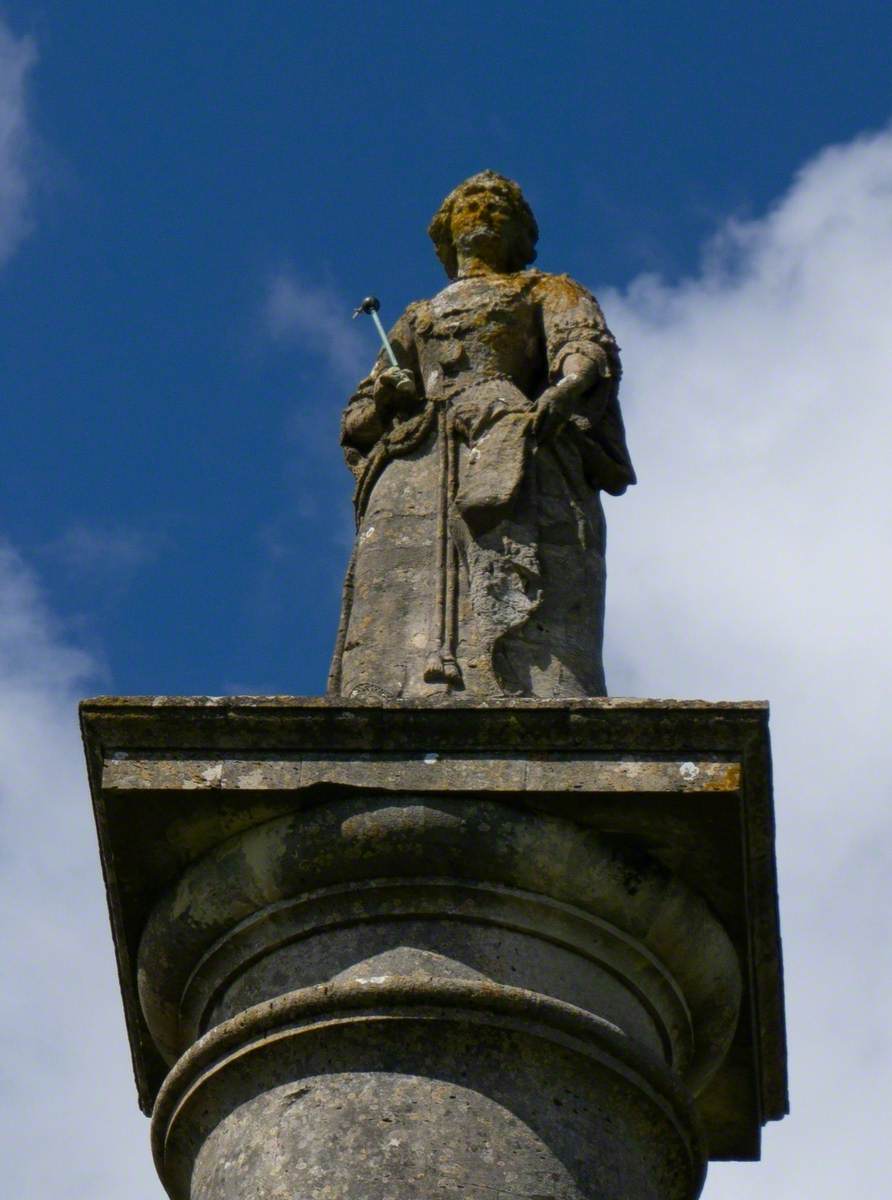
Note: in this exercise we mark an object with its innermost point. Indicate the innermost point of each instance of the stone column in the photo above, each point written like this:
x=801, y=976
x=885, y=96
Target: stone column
x=374, y=952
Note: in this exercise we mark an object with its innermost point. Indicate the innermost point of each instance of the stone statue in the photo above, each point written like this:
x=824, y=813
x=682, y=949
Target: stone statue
x=478, y=567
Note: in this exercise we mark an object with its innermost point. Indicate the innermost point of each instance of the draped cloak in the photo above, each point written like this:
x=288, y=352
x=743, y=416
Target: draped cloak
x=478, y=566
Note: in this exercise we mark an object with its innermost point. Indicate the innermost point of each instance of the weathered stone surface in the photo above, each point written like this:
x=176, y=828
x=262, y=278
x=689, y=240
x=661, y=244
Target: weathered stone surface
x=422, y=771
x=404, y=1088
x=478, y=568
x=350, y=905
x=445, y=861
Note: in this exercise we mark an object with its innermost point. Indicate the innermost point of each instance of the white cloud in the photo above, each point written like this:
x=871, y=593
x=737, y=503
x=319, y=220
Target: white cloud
x=109, y=556
x=753, y=561
x=71, y=1127
x=17, y=56
x=319, y=321
x=64, y=1066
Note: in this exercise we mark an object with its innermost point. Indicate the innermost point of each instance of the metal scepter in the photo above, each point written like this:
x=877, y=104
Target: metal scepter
x=370, y=307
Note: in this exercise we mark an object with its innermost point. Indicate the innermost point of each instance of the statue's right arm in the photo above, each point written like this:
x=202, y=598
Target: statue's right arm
x=385, y=390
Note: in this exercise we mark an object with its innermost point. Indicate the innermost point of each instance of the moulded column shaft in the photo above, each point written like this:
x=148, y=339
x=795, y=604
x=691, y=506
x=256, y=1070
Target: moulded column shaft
x=416, y=997
x=374, y=951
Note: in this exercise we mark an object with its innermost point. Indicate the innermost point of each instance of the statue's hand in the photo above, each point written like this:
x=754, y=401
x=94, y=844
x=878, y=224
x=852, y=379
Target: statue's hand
x=554, y=407
x=394, y=391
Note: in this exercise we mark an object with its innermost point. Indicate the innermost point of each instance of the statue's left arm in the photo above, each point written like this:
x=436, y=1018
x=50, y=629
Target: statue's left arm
x=581, y=401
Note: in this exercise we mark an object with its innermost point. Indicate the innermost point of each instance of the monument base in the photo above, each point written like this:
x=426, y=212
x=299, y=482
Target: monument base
x=525, y=949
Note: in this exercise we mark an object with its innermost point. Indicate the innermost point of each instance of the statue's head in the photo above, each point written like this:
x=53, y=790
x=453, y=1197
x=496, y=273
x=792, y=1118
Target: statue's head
x=486, y=216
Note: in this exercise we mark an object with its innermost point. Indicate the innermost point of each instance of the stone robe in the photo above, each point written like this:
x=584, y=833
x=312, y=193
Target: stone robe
x=478, y=567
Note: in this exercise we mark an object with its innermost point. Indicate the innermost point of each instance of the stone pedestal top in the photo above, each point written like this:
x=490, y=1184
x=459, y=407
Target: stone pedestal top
x=686, y=782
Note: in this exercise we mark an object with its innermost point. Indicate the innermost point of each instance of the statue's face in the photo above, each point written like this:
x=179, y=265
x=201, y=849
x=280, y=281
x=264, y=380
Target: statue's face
x=483, y=223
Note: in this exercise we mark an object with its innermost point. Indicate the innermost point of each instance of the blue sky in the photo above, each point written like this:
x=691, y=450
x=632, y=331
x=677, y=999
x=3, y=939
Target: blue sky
x=170, y=467
x=192, y=200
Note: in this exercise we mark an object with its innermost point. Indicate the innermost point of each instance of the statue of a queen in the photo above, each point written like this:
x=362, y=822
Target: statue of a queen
x=478, y=567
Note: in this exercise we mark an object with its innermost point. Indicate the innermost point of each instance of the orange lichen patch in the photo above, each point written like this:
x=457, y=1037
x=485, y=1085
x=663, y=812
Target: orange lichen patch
x=469, y=215
x=486, y=203
x=726, y=780
x=558, y=291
